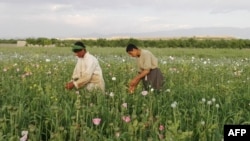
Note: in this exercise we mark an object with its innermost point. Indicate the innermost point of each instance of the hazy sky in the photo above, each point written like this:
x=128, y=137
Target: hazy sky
x=68, y=18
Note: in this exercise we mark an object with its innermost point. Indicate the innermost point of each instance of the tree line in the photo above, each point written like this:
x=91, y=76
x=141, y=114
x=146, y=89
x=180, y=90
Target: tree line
x=191, y=42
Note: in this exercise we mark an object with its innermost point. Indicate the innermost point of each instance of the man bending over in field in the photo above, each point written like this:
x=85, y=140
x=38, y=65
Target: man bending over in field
x=148, y=70
x=87, y=71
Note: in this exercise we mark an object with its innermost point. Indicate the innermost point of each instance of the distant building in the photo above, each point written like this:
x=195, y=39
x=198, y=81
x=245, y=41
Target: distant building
x=21, y=43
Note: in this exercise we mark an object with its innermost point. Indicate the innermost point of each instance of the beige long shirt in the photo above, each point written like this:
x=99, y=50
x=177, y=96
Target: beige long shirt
x=146, y=61
x=88, y=73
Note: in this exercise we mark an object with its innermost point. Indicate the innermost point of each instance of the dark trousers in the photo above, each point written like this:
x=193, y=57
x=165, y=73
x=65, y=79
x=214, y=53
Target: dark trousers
x=153, y=80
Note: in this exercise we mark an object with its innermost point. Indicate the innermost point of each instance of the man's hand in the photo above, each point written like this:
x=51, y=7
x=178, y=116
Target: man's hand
x=132, y=85
x=131, y=89
x=69, y=85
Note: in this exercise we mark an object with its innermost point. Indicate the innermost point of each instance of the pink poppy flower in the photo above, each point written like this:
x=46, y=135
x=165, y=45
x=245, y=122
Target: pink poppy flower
x=96, y=121
x=126, y=118
x=161, y=128
x=24, y=136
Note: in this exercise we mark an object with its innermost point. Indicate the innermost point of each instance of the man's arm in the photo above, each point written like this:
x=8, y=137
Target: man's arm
x=135, y=81
x=141, y=75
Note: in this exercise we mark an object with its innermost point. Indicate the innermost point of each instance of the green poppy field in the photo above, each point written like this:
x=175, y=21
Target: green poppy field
x=204, y=89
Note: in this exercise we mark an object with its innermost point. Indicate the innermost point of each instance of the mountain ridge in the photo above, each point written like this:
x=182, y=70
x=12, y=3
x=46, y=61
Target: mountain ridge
x=227, y=32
